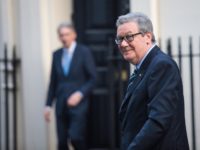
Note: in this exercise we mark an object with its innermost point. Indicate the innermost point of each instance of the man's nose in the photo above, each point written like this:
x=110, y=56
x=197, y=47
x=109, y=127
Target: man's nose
x=124, y=43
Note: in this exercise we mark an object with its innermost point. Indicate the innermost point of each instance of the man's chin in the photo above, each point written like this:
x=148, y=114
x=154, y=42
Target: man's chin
x=130, y=60
x=127, y=58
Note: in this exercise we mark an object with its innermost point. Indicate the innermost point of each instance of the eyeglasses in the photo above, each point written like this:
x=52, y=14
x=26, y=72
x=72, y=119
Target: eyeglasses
x=127, y=38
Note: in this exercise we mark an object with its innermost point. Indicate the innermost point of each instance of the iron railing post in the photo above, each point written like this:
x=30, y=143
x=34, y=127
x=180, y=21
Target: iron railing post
x=7, y=133
x=14, y=78
x=192, y=94
x=169, y=47
x=180, y=55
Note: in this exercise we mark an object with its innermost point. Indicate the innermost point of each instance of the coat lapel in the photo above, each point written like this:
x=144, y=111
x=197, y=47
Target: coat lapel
x=128, y=94
x=140, y=74
x=71, y=63
x=59, y=61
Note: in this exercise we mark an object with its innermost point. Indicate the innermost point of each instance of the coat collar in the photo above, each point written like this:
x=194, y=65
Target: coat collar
x=72, y=61
x=140, y=74
x=148, y=59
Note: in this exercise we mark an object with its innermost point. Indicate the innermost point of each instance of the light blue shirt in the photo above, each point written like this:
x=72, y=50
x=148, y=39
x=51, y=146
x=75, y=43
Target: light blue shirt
x=140, y=63
x=67, y=57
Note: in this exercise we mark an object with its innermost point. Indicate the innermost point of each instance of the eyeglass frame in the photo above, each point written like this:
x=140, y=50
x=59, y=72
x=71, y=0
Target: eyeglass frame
x=125, y=38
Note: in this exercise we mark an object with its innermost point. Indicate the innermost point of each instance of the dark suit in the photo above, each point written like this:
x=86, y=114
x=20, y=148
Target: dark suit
x=71, y=122
x=152, y=112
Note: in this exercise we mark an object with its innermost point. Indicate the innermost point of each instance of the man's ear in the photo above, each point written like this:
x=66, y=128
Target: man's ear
x=75, y=35
x=148, y=37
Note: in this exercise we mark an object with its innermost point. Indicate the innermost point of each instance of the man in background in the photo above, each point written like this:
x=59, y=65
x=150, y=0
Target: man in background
x=73, y=76
x=152, y=112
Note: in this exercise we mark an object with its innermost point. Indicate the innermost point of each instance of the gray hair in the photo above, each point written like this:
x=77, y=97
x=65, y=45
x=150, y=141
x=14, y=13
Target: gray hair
x=65, y=25
x=143, y=22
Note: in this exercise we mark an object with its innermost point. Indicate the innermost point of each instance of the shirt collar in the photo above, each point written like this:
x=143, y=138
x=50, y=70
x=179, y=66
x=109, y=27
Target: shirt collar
x=71, y=49
x=149, y=50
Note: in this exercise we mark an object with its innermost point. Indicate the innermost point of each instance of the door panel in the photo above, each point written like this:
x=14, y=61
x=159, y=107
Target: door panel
x=95, y=24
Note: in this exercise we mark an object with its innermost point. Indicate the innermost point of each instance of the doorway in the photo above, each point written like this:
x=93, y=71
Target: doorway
x=95, y=24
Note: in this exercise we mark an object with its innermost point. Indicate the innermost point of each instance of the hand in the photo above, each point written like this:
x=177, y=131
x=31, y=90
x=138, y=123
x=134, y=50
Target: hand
x=47, y=114
x=74, y=99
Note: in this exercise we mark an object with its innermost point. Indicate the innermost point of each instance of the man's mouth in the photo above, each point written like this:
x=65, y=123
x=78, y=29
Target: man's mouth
x=126, y=51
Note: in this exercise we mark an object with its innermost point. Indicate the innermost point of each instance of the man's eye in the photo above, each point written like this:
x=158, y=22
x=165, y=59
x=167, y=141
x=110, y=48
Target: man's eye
x=129, y=37
x=120, y=38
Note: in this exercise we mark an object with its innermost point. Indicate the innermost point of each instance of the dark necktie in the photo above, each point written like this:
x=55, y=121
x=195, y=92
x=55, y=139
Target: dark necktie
x=131, y=79
x=130, y=85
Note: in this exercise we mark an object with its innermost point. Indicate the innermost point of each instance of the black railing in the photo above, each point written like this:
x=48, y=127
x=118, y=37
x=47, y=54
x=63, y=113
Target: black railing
x=8, y=88
x=181, y=56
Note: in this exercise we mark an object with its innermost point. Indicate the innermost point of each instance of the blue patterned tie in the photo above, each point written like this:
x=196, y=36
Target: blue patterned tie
x=132, y=77
x=66, y=61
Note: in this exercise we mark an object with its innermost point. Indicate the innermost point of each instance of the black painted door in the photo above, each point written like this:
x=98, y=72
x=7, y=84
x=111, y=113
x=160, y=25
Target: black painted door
x=95, y=23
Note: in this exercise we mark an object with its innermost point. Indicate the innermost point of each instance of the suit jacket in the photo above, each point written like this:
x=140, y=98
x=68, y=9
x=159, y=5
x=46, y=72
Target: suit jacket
x=152, y=112
x=81, y=77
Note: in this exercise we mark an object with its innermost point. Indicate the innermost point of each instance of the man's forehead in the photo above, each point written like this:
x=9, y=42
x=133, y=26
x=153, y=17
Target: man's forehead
x=123, y=33
x=127, y=28
x=66, y=30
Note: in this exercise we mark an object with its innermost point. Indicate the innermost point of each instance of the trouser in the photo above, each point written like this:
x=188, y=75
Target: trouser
x=71, y=126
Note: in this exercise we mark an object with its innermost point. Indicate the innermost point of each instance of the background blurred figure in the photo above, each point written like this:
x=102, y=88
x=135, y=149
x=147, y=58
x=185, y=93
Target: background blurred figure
x=73, y=76
x=152, y=112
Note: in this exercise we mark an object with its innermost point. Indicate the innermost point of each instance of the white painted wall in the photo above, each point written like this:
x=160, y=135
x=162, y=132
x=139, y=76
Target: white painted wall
x=40, y=19
x=31, y=25
x=173, y=18
x=180, y=17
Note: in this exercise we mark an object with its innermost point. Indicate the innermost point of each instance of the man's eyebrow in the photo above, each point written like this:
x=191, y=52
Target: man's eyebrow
x=129, y=32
